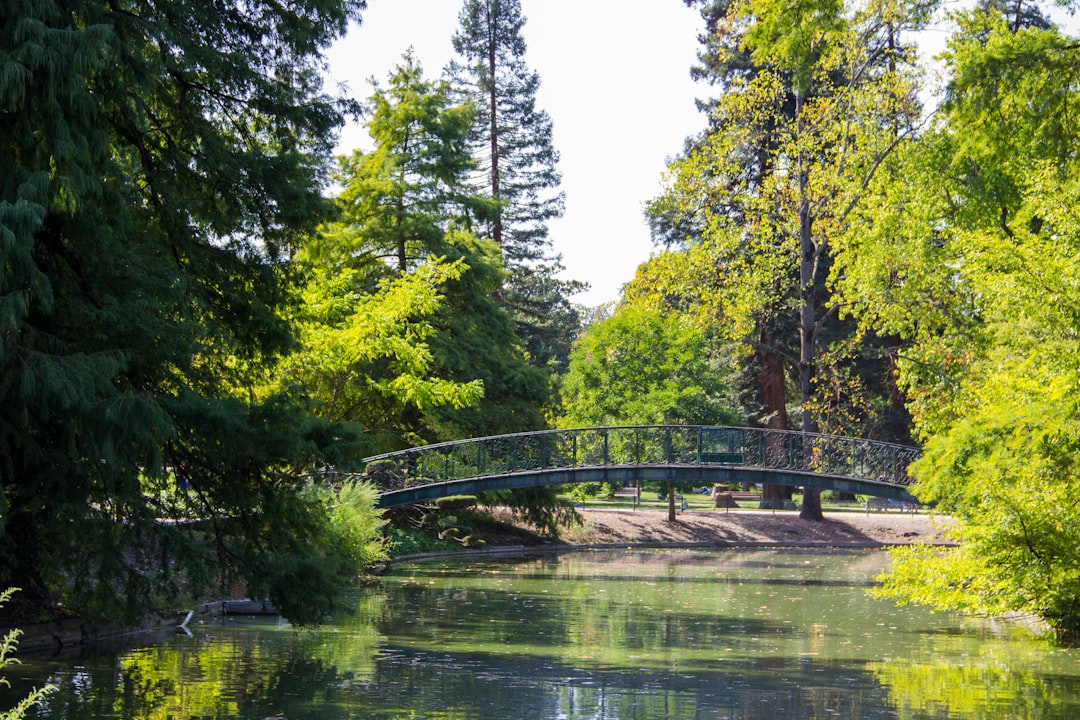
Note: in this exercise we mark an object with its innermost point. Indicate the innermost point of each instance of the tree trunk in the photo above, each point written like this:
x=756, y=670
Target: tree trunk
x=808, y=261
x=774, y=399
x=493, y=126
x=671, y=502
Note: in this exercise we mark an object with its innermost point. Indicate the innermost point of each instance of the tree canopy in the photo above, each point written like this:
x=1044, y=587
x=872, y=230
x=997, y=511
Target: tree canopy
x=967, y=251
x=815, y=96
x=643, y=367
x=157, y=167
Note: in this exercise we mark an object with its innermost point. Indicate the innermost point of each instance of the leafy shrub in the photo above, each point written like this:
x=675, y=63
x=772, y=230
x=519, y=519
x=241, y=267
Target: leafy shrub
x=7, y=648
x=455, y=502
x=409, y=541
x=357, y=523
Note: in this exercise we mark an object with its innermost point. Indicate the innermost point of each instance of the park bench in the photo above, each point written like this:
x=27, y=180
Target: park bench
x=724, y=497
x=878, y=504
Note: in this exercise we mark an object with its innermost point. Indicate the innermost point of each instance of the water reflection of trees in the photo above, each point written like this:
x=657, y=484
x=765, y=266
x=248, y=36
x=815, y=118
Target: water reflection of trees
x=747, y=635
x=231, y=669
x=520, y=686
x=1002, y=679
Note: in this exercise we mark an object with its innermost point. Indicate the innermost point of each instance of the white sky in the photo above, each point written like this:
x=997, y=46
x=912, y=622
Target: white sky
x=615, y=79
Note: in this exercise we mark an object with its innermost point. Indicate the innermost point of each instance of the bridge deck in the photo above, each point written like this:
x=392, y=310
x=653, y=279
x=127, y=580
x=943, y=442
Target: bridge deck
x=674, y=453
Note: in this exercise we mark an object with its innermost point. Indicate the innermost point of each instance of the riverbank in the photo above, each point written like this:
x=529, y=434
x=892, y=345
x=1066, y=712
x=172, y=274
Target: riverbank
x=615, y=527
x=749, y=528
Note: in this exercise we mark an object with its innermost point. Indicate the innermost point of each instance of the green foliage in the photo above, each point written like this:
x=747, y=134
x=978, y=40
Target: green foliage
x=411, y=541
x=833, y=496
x=404, y=333
x=793, y=36
x=357, y=522
x=318, y=542
x=967, y=252
x=579, y=492
x=401, y=201
x=539, y=508
x=772, y=185
x=817, y=95
x=156, y=171
x=511, y=139
x=476, y=339
x=641, y=367
x=455, y=502
x=365, y=356
x=582, y=491
x=7, y=650
x=406, y=337
x=1007, y=474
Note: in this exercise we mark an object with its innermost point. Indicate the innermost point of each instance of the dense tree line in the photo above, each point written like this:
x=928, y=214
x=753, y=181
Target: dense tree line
x=813, y=96
x=159, y=165
x=891, y=271
x=192, y=333
x=195, y=337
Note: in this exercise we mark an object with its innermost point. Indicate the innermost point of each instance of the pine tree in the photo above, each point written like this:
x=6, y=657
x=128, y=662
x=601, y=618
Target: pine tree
x=517, y=168
x=156, y=169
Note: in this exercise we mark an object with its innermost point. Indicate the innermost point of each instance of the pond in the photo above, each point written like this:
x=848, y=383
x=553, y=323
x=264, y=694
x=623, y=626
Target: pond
x=599, y=635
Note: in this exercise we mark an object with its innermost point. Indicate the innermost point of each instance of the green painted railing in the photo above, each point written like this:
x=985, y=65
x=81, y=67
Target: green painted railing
x=643, y=446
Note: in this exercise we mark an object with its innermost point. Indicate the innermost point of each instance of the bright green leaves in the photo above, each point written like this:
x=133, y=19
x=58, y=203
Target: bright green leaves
x=403, y=196
x=365, y=355
x=796, y=138
x=648, y=364
x=793, y=35
x=357, y=524
x=967, y=243
x=1012, y=94
x=641, y=367
x=400, y=330
x=8, y=644
x=967, y=248
x=1009, y=477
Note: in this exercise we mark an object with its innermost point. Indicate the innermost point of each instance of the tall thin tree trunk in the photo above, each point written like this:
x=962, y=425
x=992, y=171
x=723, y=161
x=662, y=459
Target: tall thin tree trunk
x=811, y=507
x=493, y=127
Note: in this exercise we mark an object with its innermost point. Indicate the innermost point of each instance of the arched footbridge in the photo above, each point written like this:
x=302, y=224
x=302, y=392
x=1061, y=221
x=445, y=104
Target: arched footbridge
x=671, y=453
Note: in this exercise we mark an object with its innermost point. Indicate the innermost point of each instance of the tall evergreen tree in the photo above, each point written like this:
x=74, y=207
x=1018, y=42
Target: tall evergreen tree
x=517, y=168
x=157, y=165
x=402, y=201
x=408, y=201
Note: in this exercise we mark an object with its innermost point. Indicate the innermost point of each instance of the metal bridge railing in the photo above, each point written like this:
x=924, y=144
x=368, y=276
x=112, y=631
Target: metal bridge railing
x=642, y=445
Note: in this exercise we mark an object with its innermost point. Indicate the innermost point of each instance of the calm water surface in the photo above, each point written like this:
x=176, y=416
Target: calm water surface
x=598, y=635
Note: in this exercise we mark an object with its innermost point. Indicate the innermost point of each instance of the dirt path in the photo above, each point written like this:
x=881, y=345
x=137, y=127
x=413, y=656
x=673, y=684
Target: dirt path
x=757, y=527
